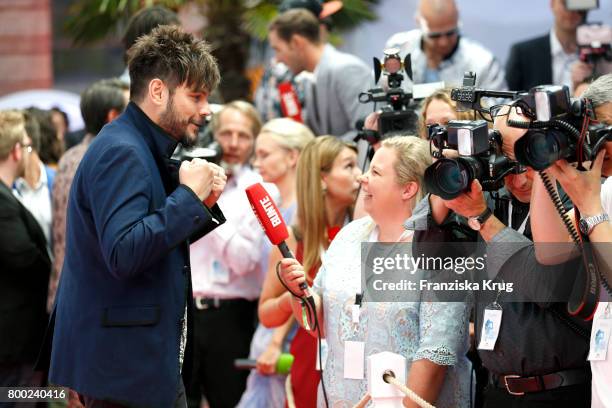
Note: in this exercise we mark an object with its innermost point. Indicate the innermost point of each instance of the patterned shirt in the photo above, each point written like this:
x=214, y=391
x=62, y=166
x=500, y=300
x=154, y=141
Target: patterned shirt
x=436, y=331
x=61, y=188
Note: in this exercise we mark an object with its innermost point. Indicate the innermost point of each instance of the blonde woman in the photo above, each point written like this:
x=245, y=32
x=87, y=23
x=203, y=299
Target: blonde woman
x=432, y=336
x=440, y=108
x=327, y=184
x=277, y=150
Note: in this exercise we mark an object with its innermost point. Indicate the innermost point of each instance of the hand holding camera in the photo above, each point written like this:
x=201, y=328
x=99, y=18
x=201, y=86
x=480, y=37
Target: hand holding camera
x=583, y=187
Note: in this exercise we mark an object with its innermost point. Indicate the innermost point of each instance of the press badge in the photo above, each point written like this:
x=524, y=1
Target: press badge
x=354, y=360
x=600, y=336
x=219, y=273
x=355, y=313
x=491, y=323
x=322, y=353
x=356, y=308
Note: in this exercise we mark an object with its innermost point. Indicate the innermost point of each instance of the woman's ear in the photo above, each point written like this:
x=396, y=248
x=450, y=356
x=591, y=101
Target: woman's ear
x=293, y=157
x=410, y=190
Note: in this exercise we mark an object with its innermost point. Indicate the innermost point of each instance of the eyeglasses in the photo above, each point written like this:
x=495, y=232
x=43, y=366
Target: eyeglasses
x=27, y=147
x=489, y=114
x=434, y=35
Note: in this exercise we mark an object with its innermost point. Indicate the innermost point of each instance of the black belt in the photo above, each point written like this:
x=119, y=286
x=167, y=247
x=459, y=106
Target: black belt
x=204, y=303
x=517, y=385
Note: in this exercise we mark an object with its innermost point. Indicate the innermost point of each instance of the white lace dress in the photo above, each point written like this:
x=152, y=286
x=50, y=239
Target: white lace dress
x=417, y=330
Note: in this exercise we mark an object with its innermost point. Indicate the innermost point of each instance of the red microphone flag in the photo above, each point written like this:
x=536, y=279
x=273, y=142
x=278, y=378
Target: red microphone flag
x=267, y=213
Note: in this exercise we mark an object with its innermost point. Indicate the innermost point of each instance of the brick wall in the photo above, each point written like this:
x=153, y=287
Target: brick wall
x=25, y=45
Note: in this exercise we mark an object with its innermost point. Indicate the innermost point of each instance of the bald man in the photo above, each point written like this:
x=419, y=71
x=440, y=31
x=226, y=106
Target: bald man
x=439, y=53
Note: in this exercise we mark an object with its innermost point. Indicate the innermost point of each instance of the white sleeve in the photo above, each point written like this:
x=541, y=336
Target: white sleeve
x=606, y=196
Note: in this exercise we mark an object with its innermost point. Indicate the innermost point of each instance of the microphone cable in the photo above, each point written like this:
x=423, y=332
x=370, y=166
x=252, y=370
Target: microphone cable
x=311, y=308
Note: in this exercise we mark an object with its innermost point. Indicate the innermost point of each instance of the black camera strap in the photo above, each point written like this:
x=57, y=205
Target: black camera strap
x=585, y=293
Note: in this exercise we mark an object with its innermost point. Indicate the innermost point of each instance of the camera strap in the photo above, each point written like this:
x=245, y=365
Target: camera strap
x=585, y=293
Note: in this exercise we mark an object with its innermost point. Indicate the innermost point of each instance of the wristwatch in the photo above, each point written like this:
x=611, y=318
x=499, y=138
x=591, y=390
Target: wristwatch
x=476, y=222
x=588, y=223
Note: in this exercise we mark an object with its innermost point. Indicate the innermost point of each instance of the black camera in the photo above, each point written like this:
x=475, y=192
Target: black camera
x=396, y=116
x=468, y=97
x=206, y=147
x=480, y=158
x=553, y=131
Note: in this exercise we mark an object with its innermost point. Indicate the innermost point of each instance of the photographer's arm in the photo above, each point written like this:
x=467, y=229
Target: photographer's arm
x=584, y=189
x=546, y=223
x=473, y=203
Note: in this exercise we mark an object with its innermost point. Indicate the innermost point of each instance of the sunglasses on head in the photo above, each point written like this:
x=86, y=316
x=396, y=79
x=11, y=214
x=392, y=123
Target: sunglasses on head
x=436, y=34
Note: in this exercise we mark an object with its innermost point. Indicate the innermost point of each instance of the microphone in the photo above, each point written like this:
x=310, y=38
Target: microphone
x=289, y=101
x=283, y=365
x=272, y=222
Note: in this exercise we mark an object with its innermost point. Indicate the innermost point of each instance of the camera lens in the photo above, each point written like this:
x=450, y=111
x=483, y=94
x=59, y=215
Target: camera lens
x=448, y=178
x=541, y=148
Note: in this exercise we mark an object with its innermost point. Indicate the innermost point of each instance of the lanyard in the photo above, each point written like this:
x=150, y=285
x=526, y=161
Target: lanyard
x=521, y=228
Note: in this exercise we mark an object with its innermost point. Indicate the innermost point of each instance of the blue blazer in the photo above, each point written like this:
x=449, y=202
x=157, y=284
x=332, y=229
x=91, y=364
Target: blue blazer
x=126, y=279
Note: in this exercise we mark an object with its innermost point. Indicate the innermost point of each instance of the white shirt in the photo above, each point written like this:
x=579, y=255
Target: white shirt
x=37, y=200
x=469, y=56
x=561, y=62
x=602, y=370
x=226, y=263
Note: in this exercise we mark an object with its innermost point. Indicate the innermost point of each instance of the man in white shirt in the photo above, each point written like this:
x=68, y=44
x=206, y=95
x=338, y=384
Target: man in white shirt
x=547, y=59
x=34, y=188
x=439, y=53
x=226, y=271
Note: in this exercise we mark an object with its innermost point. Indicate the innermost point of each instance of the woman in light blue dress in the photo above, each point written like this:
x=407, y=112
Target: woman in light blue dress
x=433, y=336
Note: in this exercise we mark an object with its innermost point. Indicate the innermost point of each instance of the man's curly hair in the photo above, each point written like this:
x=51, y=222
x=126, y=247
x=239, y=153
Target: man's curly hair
x=175, y=57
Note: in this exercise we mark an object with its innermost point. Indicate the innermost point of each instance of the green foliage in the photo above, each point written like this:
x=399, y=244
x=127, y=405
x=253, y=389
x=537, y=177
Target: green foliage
x=93, y=20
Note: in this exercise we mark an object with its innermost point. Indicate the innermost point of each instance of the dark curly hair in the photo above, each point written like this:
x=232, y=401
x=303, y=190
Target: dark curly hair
x=175, y=57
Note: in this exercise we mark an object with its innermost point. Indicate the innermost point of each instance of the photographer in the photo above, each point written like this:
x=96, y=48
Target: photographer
x=546, y=362
x=594, y=202
x=440, y=52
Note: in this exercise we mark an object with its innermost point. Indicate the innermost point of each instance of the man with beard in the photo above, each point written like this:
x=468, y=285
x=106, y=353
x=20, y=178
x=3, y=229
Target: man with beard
x=123, y=305
x=24, y=263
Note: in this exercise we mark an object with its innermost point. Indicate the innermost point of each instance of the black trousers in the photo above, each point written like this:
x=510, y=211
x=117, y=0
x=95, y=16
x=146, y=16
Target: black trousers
x=20, y=375
x=221, y=335
x=575, y=396
x=88, y=402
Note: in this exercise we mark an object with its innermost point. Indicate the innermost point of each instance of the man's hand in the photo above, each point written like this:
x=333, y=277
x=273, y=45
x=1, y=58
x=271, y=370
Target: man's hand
x=219, y=181
x=198, y=175
x=582, y=187
x=371, y=123
x=469, y=204
x=580, y=71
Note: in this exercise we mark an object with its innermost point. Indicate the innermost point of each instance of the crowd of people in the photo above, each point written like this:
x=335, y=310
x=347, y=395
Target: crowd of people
x=137, y=278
